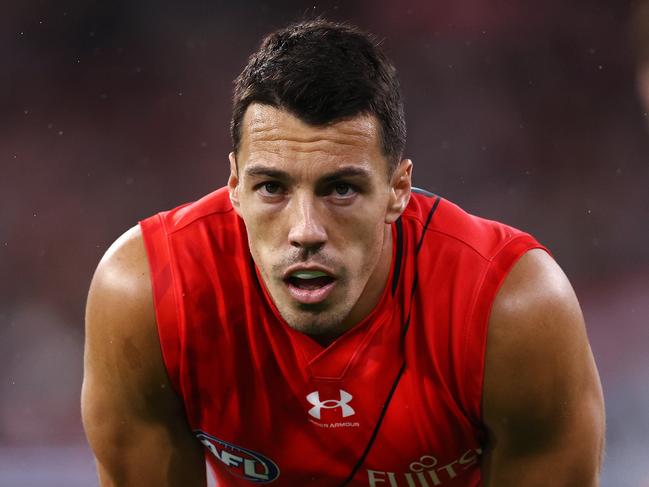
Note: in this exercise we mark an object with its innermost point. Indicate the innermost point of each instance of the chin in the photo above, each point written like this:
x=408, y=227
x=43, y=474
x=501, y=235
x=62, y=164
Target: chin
x=315, y=322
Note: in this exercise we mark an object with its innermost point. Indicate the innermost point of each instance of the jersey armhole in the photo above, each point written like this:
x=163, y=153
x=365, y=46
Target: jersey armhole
x=164, y=295
x=477, y=319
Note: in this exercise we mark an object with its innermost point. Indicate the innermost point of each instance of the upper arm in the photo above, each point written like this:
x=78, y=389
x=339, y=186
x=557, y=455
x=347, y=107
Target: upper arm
x=134, y=422
x=542, y=401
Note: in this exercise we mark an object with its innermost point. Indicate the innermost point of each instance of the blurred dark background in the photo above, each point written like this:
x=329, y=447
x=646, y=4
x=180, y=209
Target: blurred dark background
x=525, y=112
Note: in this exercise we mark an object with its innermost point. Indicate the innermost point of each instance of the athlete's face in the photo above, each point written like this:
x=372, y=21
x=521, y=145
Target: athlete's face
x=317, y=202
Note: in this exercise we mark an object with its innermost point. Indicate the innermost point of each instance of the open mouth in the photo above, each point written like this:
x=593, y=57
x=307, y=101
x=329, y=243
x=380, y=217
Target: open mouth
x=309, y=286
x=309, y=280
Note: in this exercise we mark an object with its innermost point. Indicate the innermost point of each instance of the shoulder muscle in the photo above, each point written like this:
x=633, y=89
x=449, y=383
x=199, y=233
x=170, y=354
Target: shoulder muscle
x=120, y=319
x=134, y=422
x=542, y=398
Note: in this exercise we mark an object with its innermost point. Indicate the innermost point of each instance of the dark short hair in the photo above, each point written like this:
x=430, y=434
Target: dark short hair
x=323, y=72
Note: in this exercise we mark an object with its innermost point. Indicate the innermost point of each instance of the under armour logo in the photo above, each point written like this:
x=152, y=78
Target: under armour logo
x=343, y=403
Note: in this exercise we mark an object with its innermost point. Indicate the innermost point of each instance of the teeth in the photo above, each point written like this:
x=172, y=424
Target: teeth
x=308, y=274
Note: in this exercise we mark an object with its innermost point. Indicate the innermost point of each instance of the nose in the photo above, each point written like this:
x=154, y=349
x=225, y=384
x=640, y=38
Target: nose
x=306, y=230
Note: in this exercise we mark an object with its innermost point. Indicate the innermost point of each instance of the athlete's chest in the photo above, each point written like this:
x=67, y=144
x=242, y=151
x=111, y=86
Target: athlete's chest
x=372, y=410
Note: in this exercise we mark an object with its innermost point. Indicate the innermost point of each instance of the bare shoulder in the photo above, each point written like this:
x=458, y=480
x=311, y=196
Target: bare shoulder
x=535, y=326
x=120, y=314
x=542, y=395
x=134, y=421
x=123, y=272
x=121, y=335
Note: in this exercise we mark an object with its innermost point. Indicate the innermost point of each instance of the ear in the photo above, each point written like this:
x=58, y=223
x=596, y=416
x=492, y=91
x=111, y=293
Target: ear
x=400, y=186
x=233, y=182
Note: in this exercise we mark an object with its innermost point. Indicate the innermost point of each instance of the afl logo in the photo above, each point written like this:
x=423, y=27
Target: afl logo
x=242, y=463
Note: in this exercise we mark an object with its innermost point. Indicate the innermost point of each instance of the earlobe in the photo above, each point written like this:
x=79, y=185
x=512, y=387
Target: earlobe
x=400, y=187
x=233, y=182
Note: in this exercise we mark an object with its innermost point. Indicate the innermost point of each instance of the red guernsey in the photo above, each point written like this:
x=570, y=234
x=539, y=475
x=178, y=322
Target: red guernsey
x=393, y=402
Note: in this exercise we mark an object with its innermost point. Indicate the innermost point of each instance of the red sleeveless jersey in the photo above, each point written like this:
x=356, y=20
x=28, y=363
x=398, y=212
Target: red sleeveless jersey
x=394, y=402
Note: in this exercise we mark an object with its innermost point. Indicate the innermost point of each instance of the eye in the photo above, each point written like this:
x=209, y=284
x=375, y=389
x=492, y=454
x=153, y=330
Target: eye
x=344, y=190
x=270, y=189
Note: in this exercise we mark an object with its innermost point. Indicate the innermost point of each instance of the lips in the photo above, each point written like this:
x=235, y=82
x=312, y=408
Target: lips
x=309, y=285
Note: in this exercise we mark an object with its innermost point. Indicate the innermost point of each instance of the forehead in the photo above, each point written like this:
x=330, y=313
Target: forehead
x=274, y=135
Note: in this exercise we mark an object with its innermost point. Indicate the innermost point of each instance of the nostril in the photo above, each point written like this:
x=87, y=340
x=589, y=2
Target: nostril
x=307, y=246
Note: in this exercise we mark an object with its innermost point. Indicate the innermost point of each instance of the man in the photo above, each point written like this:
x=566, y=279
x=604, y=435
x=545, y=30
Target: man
x=320, y=322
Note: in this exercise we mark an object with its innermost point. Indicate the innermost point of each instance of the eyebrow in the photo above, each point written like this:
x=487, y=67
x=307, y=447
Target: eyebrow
x=346, y=172
x=258, y=170
x=263, y=171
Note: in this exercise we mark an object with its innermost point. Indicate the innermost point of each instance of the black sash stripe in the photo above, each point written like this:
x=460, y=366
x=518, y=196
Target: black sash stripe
x=430, y=216
x=384, y=409
x=406, y=326
x=423, y=192
x=376, y=428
